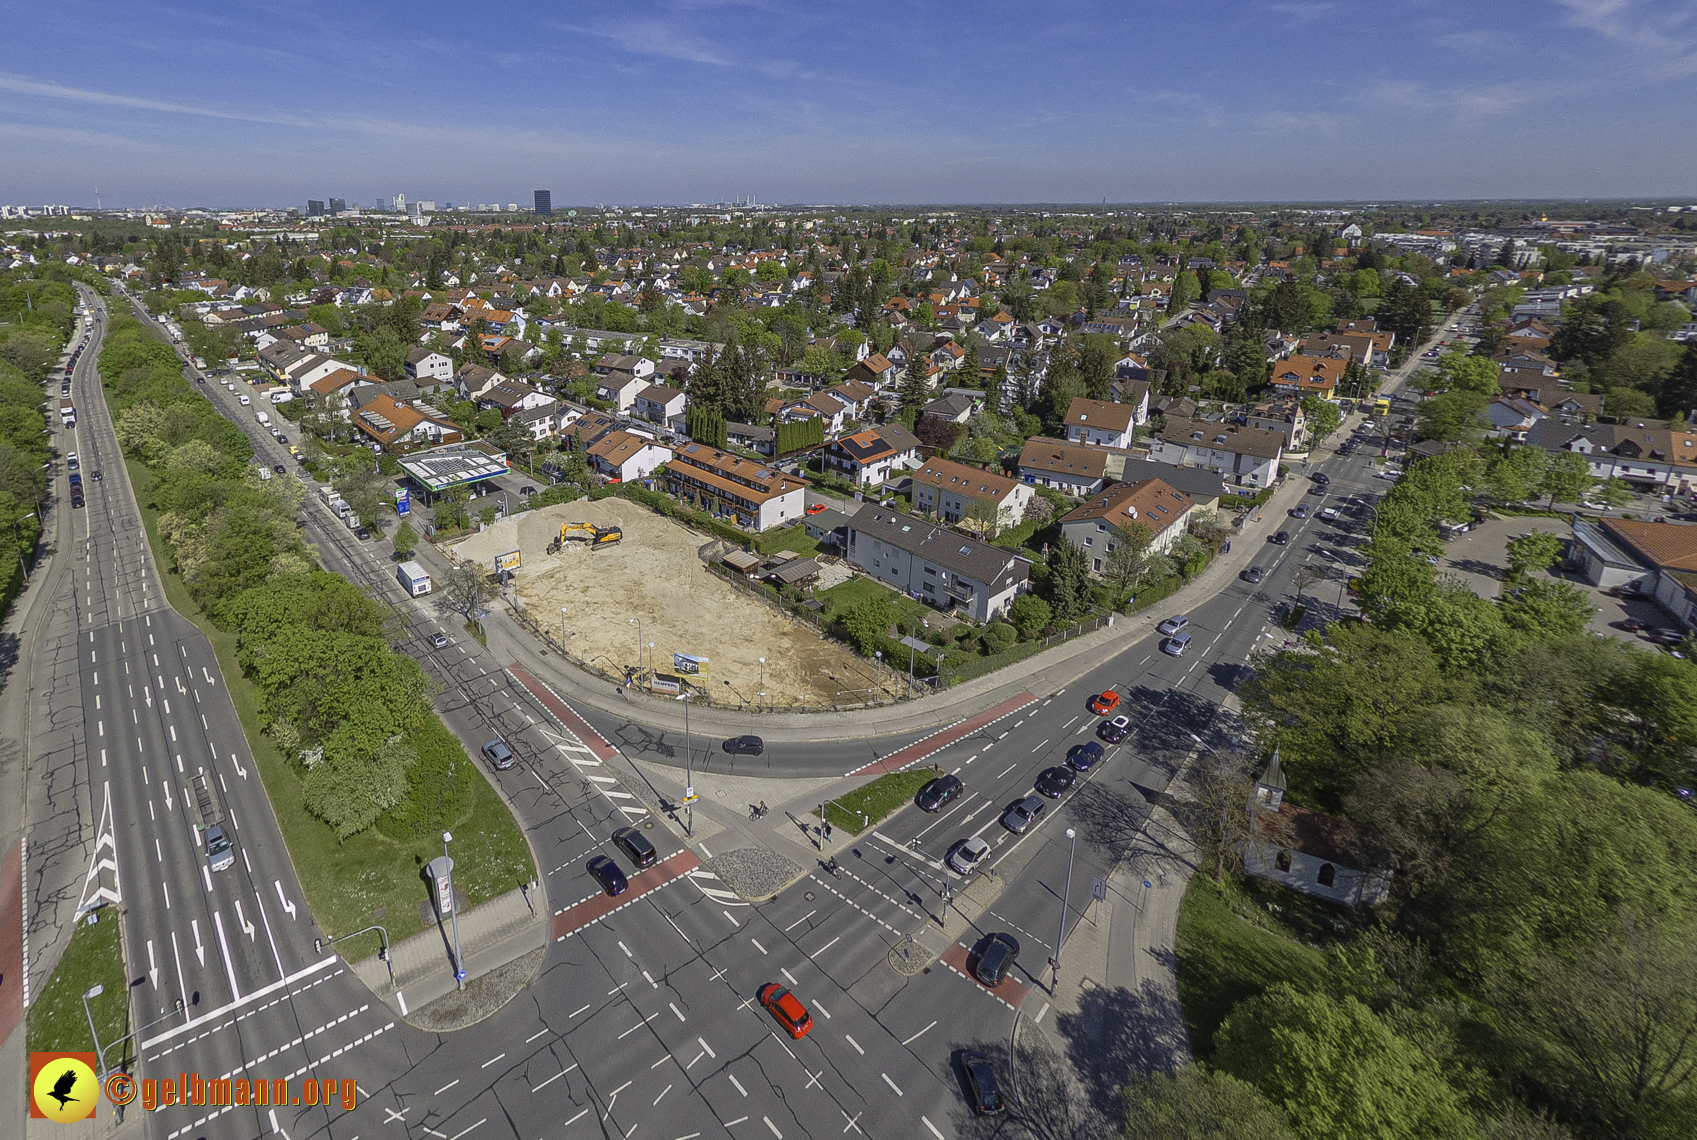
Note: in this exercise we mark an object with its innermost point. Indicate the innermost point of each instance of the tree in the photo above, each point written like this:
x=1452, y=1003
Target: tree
x=1067, y=586
x=868, y=623
x=1324, y=418
x=1515, y=475
x=1038, y=512
x=464, y=589
x=1456, y=415
x=405, y=540
x=1567, y=478
x=1199, y=1103
x=1125, y=562
x=349, y=793
x=1533, y=552
x=936, y=432
x=1459, y=372
x=1030, y=614
x=1337, y=1070
x=1614, y=493
x=985, y=515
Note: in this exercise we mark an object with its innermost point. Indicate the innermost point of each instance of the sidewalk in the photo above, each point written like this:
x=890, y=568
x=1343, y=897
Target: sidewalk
x=491, y=935
x=1053, y=669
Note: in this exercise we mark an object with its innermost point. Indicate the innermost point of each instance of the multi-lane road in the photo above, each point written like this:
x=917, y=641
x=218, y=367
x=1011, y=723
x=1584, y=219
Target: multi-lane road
x=643, y=1020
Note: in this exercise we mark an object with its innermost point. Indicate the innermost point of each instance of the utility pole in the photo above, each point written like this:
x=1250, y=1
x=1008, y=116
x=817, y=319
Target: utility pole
x=1066, y=903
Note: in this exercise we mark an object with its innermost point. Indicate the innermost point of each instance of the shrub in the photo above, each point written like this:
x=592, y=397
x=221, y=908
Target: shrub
x=439, y=786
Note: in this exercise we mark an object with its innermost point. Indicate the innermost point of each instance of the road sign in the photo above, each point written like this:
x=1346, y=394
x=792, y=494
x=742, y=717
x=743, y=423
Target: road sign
x=1098, y=888
x=507, y=561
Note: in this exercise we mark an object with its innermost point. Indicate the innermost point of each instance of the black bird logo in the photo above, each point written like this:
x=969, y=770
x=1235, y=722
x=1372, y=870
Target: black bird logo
x=63, y=1086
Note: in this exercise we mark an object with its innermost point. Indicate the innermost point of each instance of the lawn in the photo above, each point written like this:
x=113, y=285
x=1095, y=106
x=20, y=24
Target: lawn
x=368, y=878
x=56, y=1019
x=793, y=538
x=876, y=800
x=1223, y=958
x=842, y=598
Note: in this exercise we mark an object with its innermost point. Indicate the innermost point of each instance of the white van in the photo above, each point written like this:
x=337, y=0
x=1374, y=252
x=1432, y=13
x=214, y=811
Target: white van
x=264, y=418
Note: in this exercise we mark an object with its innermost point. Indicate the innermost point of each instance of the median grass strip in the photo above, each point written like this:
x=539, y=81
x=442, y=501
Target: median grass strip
x=94, y=956
x=1223, y=958
x=367, y=878
x=869, y=804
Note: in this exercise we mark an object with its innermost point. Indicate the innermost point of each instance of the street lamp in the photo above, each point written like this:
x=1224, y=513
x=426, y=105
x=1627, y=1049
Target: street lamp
x=562, y=629
x=689, y=774
x=638, y=623
x=93, y=992
x=879, y=655
x=453, y=912
x=16, y=524
x=762, y=691
x=1066, y=904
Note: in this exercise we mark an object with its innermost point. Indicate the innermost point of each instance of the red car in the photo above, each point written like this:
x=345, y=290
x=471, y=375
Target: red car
x=1104, y=703
x=788, y=1011
x=815, y=508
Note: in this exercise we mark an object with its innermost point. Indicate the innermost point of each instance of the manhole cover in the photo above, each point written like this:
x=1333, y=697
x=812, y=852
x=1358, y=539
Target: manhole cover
x=808, y=896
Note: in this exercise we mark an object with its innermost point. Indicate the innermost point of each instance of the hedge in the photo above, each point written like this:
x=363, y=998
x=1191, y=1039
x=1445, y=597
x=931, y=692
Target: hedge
x=439, y=785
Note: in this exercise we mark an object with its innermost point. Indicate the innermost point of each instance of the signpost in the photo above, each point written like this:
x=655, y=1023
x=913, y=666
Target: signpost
x=507, y=561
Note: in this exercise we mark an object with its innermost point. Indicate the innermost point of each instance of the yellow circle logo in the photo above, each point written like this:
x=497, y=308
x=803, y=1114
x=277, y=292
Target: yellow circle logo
x=66, y=1091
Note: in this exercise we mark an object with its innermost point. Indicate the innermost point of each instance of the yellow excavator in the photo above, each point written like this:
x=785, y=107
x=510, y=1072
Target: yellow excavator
x=595, y=536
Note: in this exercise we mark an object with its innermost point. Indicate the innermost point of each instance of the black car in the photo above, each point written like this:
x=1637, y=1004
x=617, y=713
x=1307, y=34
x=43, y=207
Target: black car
x=1084, y=756
x=636, y=847
x=744, y=746
x=1054, y=781
x=363, y=534
x=96, y=475
x=981, y=1084
x=284, y=440
x=607, y=873
x=279, y=469
x=938, y=792
x=1113, y=731
x=1254, y=574
x=995, y=958
x=1281, y=539
x=527, y=490
x=76, y=500
x=1300, y=511
x=1322, y=478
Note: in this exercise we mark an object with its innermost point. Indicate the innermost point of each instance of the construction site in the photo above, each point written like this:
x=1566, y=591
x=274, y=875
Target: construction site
x=613, y=564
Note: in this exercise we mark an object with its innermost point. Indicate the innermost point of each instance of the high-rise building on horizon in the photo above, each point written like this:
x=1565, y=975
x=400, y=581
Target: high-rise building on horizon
x=545, y=202
x=314, y=208
x=337, y=205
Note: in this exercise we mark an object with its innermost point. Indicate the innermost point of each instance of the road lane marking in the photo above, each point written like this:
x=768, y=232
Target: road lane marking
x=855, y=1043
x=757, y=946
x=534, y=1036
x=825, y=947
x=708, y=1048
x=933, y=1129
x=788, y=977
x=822, y=1010
x=920, y=1034
x=491, y=1060
x=446, y=1087
x=737, y=1083
x=662, y=1095
x=773, y=1127
x=787, y=929
x=677, y=1011
x=554, y=1078
x=892, y=1084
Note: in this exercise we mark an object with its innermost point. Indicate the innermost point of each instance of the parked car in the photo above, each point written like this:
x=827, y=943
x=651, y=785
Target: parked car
x=1055, y=781
x=744, y=746
x=636, y=847
x=986, y=1096
x=1280, y=539
x=1173, y=624
x=996, y=957
x=1085, y=756
x=1113, y=731
x=499, y=755
x=1330, y=514
x=279, y=469
x=1023, y=814
x=965, y=856
x=607, y=873
x=786, y=1009
x=933, y=796
x=1300, y=511
x=1104, y=702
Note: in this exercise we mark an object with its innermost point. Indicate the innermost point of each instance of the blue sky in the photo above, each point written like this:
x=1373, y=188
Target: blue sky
x=702, y=100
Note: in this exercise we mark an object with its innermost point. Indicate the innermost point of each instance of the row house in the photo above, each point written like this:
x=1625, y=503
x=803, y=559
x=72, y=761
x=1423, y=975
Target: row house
x=1246, y=457
x=727, y=485
x=949, y=490
x=1651, y=459
x=1072, y=469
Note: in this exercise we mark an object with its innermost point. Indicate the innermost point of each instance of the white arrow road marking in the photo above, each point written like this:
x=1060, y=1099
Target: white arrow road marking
x=247, y=927
x=199, y=949
x=276, y=1128
x=229, y=966
x=167, y=787
x=287, y=905
x=240, y=771
x=152, y=967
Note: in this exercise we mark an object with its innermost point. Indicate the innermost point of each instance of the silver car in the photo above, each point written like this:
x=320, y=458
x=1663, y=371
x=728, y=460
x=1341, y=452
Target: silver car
x=1172, y=625
x=1176, y=645
x=963, y=858
x=1023, y=814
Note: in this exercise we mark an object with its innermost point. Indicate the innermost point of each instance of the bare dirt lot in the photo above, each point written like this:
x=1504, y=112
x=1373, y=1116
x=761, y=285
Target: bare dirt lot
x=656, y=575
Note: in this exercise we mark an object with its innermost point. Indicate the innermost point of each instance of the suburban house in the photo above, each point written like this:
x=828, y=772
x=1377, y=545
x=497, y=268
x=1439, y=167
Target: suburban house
x=511, y=396
x=875, y=371
x=872, y=456
x=423, y=363
x=659, y=404
x=541, y=421
x=404, y=427
x=1101, y=524
x=752, y=437
x=1071, y=468
x=624, y=456
x=1247, y=457
x=1283, y=415
x=1512, y=418
x=729, y=486
x=1098, y=423
x=1302, y=849
x=337, y=385
x=1203, y=487
x=620, y=378
x=930, y=562
x=950, y=489
x=472, y=380
x=1309, y=375
x=834, y=412
x=951, y=408
x=1652, y=459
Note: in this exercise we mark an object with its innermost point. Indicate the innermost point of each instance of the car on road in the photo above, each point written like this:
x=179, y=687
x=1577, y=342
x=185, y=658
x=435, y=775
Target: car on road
x=1055, y=781
x=636, y=847
x=1322, y=478
x=1254, y=575
x=1177, y=645
x=72, y=462
x=279, y=469
x=218, y=852
x=1104, y=702
x=744, y=746
x=95, y=475
x=1632, y=625
x=938, y=792
x=284, y=440
x=1085, y=756
x=1113, y=731
x=527, y=490
x=607, y=873
x=997, y=955
x=984, y=1094
x=499, y=755
x=786, y=1009
x=1300, y=511
x=1173, y=624
x=1668, y=636
x=1023, y=814
x=363, y=534
x=76, y=498
x=1593, y=505
x=438, y=640
x=1330, y=514
x=965, y=856
x=1280, y=539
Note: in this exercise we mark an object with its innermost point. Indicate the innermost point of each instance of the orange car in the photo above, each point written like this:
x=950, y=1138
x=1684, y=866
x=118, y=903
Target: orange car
x=1104, y=703
x=789, y=1011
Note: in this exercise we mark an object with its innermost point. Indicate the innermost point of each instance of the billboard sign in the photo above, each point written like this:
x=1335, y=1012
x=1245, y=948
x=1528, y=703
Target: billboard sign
x=507, y=561
x=690, y=666
x=403, y=502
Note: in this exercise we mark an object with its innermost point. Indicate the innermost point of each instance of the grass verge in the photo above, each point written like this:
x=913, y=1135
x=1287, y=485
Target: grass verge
x=1223, y=958
x=876, y=799
x=367, y=878
x=95, y=955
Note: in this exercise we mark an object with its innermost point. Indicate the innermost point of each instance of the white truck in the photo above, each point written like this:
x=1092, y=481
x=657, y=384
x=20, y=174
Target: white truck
x=414, y=578
x=264, y=418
